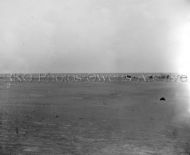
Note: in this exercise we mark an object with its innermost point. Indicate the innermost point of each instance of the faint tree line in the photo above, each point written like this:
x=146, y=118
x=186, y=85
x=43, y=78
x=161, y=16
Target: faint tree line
x=91, y=77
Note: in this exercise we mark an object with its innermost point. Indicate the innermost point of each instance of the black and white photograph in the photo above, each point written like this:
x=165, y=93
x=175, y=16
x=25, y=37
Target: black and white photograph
x=94, y=77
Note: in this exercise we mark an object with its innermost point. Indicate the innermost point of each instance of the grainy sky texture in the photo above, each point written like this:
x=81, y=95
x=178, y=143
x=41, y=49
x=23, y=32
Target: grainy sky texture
x=93, y=35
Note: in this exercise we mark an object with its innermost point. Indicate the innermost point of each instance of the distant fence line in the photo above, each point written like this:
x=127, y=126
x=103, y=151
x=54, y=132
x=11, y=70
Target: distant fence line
x=92, y=77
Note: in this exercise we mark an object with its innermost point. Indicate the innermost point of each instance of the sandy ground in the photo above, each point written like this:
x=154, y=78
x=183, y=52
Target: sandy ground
x=123, y=118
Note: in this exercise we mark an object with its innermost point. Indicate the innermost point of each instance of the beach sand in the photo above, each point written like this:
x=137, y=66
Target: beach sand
x=95, y=118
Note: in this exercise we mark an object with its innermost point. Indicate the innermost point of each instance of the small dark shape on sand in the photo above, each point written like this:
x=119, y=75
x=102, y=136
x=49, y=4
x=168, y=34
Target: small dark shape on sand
x=16, y=130
x=162, y=99
x=56, y=116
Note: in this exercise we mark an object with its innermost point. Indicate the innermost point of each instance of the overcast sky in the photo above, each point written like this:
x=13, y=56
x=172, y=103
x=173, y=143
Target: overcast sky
x=93, y=35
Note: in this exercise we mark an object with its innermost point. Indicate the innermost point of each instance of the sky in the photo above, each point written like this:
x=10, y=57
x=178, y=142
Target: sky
x=94, y=36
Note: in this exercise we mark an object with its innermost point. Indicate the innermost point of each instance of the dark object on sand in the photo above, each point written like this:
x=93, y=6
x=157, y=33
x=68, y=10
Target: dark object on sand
x=16, y=130
x=162, y=99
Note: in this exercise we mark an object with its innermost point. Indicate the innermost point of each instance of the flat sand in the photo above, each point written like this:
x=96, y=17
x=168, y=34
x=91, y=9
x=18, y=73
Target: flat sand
x=86, y=118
